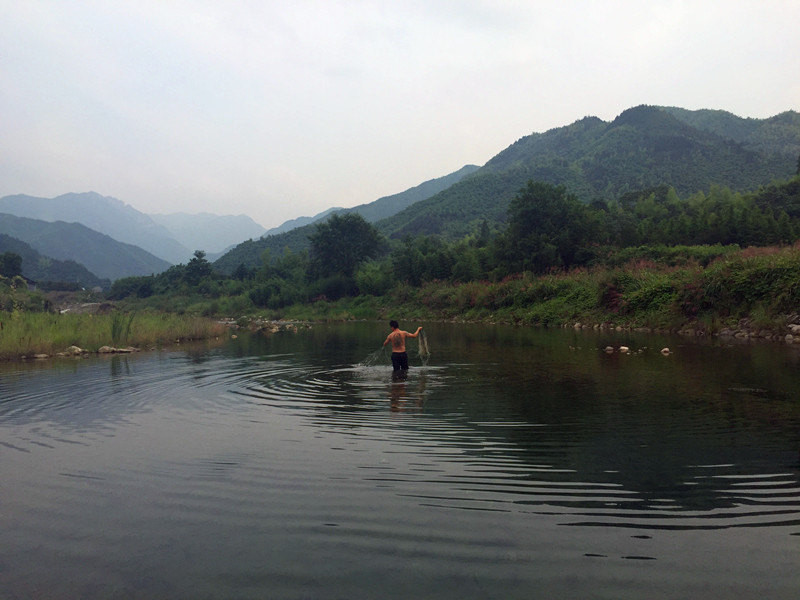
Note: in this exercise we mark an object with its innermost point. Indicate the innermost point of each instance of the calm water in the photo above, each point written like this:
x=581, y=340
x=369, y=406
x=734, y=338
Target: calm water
x=516, y=464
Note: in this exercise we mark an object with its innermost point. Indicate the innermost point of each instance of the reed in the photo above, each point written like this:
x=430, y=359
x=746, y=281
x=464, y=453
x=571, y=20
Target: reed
x=26, y=333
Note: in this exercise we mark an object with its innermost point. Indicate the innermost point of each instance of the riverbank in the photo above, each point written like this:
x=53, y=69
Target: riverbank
x=43, y=335
x=750, y=294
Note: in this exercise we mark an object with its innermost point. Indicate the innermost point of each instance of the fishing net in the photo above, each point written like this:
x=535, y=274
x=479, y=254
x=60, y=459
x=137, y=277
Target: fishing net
x=424, y=350
x=379, y=356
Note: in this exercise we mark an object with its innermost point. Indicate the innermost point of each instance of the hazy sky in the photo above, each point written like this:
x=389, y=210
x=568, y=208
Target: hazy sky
x=286, y=108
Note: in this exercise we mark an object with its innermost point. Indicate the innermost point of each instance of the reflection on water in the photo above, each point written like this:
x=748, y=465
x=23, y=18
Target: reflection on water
x=514, y=463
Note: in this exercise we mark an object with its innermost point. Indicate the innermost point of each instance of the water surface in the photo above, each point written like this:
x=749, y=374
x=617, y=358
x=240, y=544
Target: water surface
x=516, y=464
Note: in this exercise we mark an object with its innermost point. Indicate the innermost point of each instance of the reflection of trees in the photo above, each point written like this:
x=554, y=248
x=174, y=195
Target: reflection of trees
x=644, y=424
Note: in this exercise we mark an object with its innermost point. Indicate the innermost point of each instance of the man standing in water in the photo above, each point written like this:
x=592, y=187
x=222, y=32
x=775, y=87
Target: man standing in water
x=398, y=340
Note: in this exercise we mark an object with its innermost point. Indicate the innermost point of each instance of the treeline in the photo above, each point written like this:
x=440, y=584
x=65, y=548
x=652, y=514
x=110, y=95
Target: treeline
x=548, y=230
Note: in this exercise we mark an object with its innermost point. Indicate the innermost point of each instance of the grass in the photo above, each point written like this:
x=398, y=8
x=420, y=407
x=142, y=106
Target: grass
x=29, y=333
x=760, y=285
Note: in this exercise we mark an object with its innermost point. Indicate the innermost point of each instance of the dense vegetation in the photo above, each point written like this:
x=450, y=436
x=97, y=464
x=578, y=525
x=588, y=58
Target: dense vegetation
x=647, y=257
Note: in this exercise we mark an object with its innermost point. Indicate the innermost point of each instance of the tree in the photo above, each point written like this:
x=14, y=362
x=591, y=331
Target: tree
x=547, y=228
x=341, y=244
x=10, y=264
x=197, y=268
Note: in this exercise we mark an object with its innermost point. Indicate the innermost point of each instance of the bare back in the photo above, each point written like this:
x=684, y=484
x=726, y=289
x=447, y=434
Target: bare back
x=398, y=339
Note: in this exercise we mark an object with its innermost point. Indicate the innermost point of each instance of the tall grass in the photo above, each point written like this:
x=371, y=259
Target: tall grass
x=27, y=333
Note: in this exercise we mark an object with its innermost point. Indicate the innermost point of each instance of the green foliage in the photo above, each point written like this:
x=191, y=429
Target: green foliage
x=341, y=244
x=548, y=228
x=10, y=264
x=374, y=278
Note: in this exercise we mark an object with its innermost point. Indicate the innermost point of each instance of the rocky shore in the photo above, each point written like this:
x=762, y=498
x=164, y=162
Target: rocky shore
x=746, y=329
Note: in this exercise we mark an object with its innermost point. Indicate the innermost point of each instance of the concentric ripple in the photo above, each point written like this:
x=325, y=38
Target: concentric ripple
x=506, y=468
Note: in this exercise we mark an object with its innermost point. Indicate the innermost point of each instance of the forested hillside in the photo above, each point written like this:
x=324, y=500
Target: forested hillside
x=46, y=271
x=102, y=255
x=643, y=147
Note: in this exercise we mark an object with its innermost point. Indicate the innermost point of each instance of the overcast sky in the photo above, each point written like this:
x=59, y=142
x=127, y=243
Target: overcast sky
x=286, y=108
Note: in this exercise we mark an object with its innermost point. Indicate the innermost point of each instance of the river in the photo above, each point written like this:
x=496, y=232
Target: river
x=517, y=463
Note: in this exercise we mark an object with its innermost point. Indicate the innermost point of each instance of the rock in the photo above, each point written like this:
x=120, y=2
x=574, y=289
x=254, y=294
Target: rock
x=41, y=356
x=624, y=349
x=789, y=338
x=609, y=349
x=75, y=350
x=666, y=351
x=106, y=350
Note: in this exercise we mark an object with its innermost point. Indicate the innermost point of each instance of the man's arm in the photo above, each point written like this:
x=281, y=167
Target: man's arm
x=416, y=333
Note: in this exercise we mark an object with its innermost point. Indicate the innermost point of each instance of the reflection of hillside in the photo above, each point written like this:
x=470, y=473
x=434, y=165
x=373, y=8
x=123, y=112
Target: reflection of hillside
x=538, y=415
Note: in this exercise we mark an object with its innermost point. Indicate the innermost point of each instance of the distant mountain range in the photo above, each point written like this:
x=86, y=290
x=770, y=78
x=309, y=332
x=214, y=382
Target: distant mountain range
x=645, y=146
x=296, y=238
x=208, y=232
x=112, y=239
x=99, y=253
x=41, y=268
x=300, y=222
x=104, y=214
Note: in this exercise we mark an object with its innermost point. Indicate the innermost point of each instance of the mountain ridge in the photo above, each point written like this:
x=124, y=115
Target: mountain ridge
x=102, y=255
x=40, y=268
x=249, y=252
x=642, y=147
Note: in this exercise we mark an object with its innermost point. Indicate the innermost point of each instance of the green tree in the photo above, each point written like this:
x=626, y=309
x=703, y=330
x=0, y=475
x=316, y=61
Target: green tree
x=548, y=227
x=341, y=244
x=197, y=269
x=10, y=264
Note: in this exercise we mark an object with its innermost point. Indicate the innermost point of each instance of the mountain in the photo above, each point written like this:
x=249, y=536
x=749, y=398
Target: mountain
x=41, y=268
x=102, y=255
x=387, y=206
x=779, y=134
x=296, y=240
x=103, y=214
x=300, y=222
x=643, y=147
x=208, y=232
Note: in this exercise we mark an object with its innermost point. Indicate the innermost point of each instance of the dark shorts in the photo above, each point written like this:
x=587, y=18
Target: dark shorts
x=400, y=361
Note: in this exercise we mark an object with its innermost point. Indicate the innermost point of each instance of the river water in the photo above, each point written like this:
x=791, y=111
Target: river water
x=516, y=464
